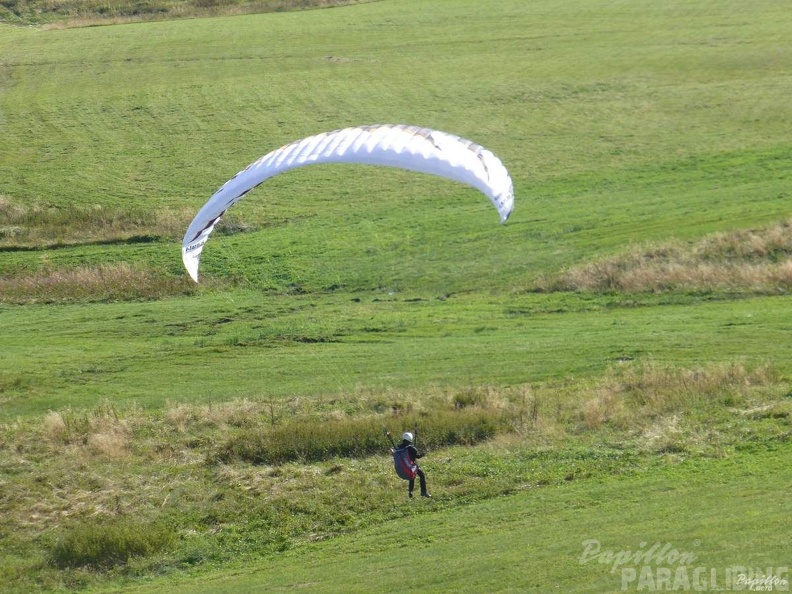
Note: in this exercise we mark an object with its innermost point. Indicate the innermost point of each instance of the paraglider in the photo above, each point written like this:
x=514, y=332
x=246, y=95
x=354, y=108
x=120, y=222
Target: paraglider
x=406, y=147
x=405, y=461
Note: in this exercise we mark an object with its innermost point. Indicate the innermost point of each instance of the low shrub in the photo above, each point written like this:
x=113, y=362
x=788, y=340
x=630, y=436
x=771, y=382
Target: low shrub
x=104, y=544
x=315, y=440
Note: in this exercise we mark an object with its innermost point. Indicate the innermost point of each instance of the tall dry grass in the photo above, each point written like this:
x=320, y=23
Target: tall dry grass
x=635, y=395
x=40, y=225
x=757, y=261
x=108, y=282
x=101, y=431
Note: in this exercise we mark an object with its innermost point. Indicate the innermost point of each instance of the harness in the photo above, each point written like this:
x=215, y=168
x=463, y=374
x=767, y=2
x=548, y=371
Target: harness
x=405, y=468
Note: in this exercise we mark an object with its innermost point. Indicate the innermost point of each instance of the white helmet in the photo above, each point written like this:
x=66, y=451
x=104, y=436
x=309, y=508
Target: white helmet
x=407, y=437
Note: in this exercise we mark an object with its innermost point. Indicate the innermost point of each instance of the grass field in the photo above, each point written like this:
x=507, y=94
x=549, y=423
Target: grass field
x=91, y=13
x=613, y=363
x=463, y=550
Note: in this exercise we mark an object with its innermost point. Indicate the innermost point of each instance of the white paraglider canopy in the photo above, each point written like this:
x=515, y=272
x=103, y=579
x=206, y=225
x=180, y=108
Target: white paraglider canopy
x=404, y=147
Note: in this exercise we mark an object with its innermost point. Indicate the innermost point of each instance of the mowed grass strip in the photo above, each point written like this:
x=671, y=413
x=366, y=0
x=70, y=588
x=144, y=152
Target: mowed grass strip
x=163, y=119
x=238, y=345
x=617, y=124
x=651, y=131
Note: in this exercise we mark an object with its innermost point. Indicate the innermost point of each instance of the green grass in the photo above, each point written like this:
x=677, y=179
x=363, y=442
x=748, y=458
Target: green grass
x=81, y=486
x=337, y=297
x=105, y=544
x=534, y=541
x=635, y=140
x=238, y=345
x=82, y=13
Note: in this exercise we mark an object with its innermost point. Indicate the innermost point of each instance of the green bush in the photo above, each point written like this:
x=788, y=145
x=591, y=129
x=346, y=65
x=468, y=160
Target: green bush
x=315, y=440
x=104, y=544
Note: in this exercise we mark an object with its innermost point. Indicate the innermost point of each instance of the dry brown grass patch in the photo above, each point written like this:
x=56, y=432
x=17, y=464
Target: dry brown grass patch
x=112, y=440
x=637, y=395
x=54, y=427
x=108, y=282
x=606, y=406
x=746, y=260
x=34, y=225
x=233, y=413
